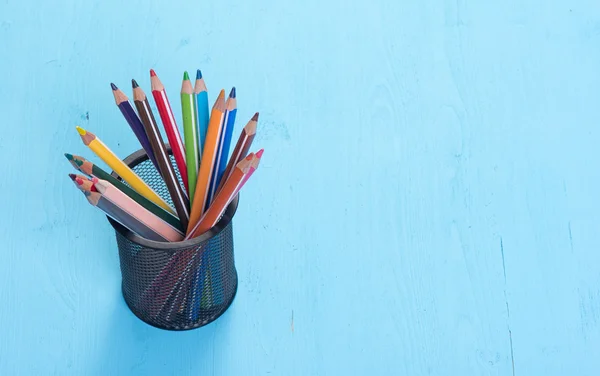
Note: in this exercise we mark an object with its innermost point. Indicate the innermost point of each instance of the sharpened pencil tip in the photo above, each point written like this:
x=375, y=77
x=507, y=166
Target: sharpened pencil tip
x=113, y=86
x=255, y=117
x=80, y=130
x=152, y=73
x=134, y=83
x=69, y=156
x=79, y=181
x=186, y=77
x=260, y=153
x=198, y=74
x=232, y=92
x=78, y=162
x=73, y=176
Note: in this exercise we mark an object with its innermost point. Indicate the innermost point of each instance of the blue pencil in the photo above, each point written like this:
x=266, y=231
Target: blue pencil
x=224, y=144
x=202, y=113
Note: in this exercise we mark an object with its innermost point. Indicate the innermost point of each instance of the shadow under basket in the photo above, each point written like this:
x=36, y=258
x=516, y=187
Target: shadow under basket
x=179, y=285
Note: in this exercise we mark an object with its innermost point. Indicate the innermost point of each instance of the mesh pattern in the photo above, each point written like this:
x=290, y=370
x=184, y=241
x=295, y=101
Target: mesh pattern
x=177, y=288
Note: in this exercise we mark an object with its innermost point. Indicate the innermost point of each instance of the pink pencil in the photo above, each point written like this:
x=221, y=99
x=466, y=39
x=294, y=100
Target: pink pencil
x=120, y=202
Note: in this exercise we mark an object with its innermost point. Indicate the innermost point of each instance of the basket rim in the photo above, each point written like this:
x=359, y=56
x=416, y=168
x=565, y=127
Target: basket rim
x=140, y=156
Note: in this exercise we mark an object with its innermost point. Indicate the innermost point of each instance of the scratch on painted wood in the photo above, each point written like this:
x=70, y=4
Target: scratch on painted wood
x=570, y=237
x=512, y=355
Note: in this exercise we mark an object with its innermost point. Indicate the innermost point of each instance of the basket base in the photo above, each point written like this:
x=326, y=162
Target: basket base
x=212, y=318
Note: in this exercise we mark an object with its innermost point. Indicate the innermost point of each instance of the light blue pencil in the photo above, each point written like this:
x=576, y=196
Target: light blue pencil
x=202, y=113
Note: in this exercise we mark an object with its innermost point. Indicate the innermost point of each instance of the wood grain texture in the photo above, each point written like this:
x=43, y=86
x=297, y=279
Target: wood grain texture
x=450, y=154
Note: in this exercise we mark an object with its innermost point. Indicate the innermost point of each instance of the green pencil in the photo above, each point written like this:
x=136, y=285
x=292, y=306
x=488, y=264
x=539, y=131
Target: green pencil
x=190, y=133
x=88, y=168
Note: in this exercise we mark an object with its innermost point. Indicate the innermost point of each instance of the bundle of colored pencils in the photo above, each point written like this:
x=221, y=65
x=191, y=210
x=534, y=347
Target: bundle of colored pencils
x=211, y=176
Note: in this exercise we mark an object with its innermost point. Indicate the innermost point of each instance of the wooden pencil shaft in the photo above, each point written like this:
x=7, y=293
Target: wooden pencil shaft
x=200, y=86
x=85, y=185
x=80, y=164
x=93, y=198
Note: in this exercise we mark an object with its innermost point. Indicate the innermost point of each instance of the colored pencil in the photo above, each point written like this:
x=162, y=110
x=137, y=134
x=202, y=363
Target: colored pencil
x=201, y=108
x=241, y=148
x=190, y=133
x=126, y=173
x=223, y=119
x=133, y=120
x=198, y=298
x=83, y=183
x=187, y=261
x=224, y=143
x=254, y=162
x=209, y=155
x=152, y=229
x=183, y=287
x=199, y=283
x=151, y=226
x=90, y=169
x=168, y=119
x=178, y=194
x=242, y=172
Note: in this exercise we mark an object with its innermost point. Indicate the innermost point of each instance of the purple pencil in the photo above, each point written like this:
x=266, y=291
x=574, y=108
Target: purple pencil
x=134, y=122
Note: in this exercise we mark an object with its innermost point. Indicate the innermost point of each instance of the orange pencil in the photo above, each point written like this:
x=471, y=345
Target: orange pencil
x=209, y=154
x=240, y=175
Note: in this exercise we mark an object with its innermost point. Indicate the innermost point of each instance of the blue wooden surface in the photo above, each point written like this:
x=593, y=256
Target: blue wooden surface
x=428, y=202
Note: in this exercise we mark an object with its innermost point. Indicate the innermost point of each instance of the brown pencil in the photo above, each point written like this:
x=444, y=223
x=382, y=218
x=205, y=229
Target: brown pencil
x=242, y=147
x=178, y=195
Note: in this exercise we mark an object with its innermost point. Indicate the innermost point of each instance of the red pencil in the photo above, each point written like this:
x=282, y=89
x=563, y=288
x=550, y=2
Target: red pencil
x=254, y=162
x=166, y=115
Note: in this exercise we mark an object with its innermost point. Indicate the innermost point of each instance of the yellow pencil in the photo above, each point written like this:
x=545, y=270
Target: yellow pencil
x=102, y=151
x=209, y=154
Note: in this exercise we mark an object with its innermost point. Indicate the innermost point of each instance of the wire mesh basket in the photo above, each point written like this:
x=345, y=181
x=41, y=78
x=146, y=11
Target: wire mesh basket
x=179, y=285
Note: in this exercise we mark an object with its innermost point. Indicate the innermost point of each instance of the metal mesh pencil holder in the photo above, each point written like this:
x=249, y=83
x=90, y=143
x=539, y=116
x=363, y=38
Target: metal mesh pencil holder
x=180, y=285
